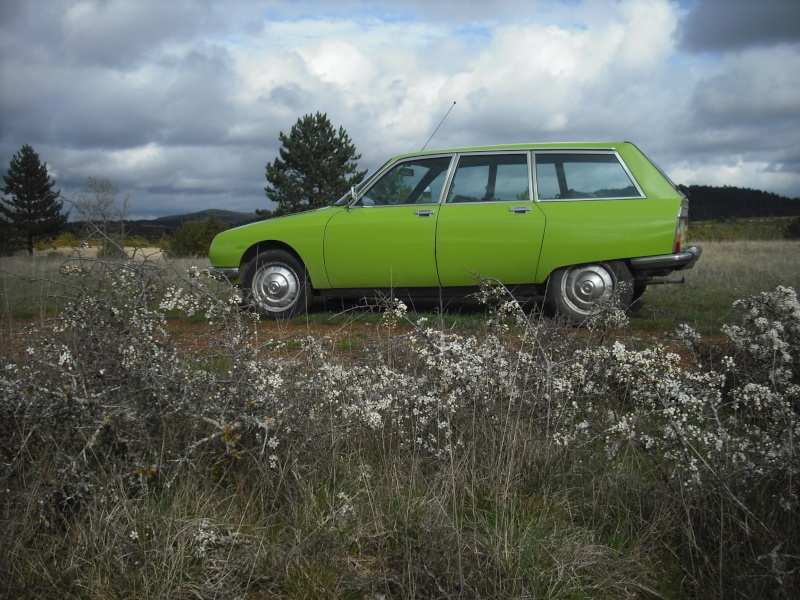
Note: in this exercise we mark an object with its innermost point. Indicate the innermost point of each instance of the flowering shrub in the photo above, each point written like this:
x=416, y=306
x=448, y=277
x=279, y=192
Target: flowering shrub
x=767, y=342
x=421, y=393
x=737, y=424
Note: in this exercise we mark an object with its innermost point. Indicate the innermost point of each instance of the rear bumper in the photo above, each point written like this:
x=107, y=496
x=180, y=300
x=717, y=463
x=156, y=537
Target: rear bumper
x=678, y=261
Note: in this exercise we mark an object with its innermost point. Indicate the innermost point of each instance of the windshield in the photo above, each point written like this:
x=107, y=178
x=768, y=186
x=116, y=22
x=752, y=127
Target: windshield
x=345, y=200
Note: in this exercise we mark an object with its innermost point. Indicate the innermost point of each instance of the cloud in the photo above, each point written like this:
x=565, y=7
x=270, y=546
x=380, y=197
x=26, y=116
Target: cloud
x=757, y=88
x=123, y=34
x=725, y=25
x=180, y=104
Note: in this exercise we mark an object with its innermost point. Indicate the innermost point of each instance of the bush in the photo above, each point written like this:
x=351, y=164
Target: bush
x=194, y=238
x=64, y=239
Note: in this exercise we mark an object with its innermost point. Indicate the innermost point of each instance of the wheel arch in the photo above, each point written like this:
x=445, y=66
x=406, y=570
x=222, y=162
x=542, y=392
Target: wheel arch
x=266, y=245
x=626, y=261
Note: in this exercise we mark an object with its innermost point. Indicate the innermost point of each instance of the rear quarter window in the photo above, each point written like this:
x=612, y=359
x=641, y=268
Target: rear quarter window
x=583, y=176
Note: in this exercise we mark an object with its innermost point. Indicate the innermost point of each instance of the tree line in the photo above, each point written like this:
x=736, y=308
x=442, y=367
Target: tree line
x=316, y=165
x=710, y=203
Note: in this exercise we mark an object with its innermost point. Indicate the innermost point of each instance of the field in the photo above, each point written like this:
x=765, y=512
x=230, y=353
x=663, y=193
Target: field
x=156, y=441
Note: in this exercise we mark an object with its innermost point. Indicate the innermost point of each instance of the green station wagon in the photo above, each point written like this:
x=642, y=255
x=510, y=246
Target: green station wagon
x=570, y=221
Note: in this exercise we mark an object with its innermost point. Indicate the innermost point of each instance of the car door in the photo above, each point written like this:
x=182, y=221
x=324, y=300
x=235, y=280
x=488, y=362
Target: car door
x=488, y=226
x=387, y=238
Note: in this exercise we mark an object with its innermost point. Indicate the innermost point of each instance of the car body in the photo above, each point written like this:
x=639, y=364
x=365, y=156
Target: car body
x=571, y=220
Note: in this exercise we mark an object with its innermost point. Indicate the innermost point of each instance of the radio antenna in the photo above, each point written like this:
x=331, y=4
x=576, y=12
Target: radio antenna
x=437, y=127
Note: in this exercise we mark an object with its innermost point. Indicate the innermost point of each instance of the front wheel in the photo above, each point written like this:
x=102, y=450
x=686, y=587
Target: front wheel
x=576, y=291
x=276, y=285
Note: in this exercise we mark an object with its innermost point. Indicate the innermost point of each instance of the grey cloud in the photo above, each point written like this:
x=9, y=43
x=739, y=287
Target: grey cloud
x=749, y=106
x=289, y=96
x=123, y=34
x=184, y=100
x=195, y=106
x=726, y=25
x=79, y=108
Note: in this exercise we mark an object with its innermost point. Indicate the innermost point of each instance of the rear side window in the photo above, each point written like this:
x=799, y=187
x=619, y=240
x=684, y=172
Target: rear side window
x=490, y=178
x=579, y=176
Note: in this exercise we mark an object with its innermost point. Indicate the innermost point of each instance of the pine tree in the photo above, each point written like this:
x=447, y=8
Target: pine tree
x=33, y=209
x=316, y=166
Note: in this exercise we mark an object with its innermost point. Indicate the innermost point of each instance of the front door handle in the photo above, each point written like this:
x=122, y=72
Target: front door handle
x=520, y=210
x=424, y=212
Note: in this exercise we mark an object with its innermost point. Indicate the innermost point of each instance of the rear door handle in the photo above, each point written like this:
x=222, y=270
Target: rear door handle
x=424, y=212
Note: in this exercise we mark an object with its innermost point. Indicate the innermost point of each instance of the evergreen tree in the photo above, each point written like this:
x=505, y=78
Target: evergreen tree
x=316, y=166
x=33, y=209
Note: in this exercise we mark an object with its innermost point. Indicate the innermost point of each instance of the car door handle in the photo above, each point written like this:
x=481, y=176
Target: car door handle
x=424, y=213
x=520, y=210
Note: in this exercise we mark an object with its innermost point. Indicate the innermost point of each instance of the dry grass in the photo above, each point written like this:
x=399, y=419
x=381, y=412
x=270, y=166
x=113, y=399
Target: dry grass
x=726, y=272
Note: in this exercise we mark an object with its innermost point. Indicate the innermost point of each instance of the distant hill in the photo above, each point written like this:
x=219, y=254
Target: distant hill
x=153, y=229
x=165, y=226
x=234, y=219
x=709, y=203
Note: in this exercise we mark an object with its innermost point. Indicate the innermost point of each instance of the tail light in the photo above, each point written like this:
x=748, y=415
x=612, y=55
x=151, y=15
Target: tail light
x=681, y=230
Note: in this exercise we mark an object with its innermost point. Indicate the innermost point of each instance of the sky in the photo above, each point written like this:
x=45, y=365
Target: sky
x=180, y=103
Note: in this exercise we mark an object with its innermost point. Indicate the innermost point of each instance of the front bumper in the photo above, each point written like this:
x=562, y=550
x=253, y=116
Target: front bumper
x=678, y=261
x=226, y=273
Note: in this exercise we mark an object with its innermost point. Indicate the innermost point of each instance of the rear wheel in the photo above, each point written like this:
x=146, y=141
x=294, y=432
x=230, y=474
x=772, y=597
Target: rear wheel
x=576, y=291
x=276, y=285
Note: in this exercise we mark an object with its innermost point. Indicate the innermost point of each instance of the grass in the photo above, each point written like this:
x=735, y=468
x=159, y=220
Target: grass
x=330, y=532
x=763, y=229
x=29, y=286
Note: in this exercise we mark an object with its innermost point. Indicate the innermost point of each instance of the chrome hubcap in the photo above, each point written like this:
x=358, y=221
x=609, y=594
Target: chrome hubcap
x=585, y=286
x=276, y=287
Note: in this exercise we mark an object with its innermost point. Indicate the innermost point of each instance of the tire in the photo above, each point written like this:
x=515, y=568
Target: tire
x=638, y=291
x=575, y=292
x=276, y=285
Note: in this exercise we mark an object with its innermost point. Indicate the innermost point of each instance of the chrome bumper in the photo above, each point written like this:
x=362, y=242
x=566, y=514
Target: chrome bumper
x=227, y=273
x=676, y=262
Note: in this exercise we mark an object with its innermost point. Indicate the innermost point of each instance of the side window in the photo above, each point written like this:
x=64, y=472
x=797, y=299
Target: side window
x=582, y=175
x=546, y=180
x=416, y=181
x=490, y=178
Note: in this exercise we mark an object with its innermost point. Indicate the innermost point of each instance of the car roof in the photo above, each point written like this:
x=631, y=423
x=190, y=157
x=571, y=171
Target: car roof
x=528, y=146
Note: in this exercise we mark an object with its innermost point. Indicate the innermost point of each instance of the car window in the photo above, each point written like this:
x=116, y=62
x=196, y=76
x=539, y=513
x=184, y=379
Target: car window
x=490, y=178
x=416, y=181
x=582, y=175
